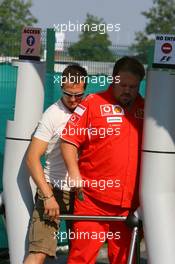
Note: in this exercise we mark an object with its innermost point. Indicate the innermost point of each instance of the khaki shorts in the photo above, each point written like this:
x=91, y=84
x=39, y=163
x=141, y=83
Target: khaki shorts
x=42, y=231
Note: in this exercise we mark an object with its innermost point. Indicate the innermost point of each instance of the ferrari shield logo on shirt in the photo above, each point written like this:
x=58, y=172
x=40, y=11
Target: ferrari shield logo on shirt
x=80, y=109
x=117, y=109
x=74, y=119
x=108, y=110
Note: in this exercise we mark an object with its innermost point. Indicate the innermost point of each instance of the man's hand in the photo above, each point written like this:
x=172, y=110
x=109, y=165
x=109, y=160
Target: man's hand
x=51, y=208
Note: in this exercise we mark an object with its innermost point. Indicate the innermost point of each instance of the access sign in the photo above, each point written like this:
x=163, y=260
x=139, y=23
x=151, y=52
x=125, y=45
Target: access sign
x=164, y=53
x=31, y=42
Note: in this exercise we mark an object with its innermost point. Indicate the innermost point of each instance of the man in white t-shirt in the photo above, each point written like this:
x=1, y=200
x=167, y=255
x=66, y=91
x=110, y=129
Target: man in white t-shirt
x=53, y=195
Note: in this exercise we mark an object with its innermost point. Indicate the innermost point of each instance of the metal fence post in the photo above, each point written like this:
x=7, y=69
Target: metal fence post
x=50, y=57
x=50, y=46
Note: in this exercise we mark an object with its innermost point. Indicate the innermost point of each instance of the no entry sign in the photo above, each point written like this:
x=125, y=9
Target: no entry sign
x=164, y=53
x=166, y=48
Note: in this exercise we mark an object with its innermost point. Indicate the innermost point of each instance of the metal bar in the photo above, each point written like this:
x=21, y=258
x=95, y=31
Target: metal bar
x=138, y=239
x=132, y=245
x=92, y=217
x=108, y=218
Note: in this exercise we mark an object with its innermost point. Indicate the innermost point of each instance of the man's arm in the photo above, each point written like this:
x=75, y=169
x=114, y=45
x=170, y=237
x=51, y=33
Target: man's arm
x=36, y=149
x=70, y=156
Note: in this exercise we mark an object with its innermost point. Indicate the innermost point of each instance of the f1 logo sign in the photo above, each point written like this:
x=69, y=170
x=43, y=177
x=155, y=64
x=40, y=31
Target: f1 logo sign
x=165, y=58
x=164, y=52
x=29, y=51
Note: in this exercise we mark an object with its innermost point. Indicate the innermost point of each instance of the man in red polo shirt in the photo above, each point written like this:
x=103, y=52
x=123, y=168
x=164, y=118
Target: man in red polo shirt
x=106, y=131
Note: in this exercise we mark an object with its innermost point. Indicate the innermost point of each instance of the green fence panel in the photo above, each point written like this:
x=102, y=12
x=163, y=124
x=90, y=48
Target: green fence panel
x=3, y=234
x=8, y=78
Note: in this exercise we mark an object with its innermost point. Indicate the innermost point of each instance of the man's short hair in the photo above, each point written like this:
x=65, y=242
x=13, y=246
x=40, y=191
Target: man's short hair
x=129, y=64
x=74, y=74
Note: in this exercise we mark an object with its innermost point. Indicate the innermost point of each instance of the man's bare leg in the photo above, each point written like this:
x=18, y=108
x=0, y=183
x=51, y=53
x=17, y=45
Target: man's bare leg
x=35, y=258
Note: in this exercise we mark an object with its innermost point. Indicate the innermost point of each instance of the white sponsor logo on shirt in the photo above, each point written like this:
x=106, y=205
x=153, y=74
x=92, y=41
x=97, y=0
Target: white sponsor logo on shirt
x=80, y=109
x=74, y=119
x=114, y=119
x=106, y=110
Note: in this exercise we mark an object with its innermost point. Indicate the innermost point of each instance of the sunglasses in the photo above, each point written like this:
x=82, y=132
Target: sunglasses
x=76, y=95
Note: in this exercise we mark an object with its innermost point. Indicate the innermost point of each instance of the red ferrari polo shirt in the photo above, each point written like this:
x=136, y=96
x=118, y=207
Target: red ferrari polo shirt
x=109, y=141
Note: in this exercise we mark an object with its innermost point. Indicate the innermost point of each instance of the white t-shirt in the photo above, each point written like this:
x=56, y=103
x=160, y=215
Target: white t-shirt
x=49, y=129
